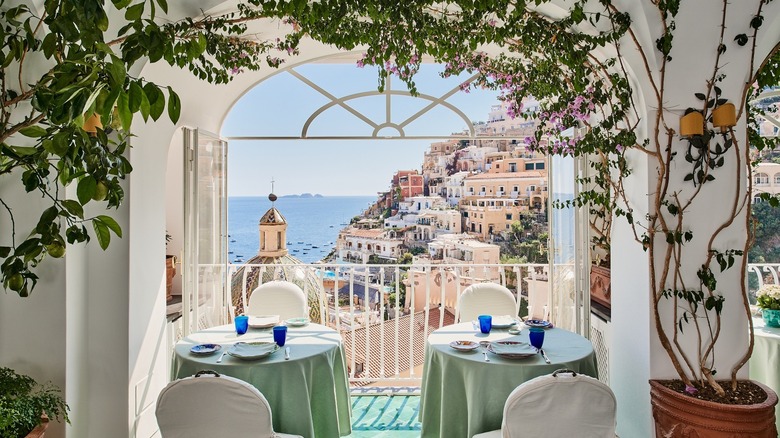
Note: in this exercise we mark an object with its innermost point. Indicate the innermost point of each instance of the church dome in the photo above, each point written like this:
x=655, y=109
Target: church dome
x=272, y=216
x=285, y=268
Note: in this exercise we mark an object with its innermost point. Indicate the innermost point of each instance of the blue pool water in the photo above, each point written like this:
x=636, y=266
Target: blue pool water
x=313, y=224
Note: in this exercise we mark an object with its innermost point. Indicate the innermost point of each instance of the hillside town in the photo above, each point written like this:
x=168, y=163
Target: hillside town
x=473, y=201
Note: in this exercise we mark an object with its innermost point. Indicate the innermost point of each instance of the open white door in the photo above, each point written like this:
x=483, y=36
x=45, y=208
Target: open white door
x=204, y=280
x=568, y=308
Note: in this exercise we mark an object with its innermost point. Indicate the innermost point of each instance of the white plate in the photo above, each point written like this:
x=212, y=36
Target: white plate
x=503, y=321
x=263, y=321
x=512, y=349
x=538, y=323
x=205, y=349
x=252, y=350
x=297, y=322
x=464, y=345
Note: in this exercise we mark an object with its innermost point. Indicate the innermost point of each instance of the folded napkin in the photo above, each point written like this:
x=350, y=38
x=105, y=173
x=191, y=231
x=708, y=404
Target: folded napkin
x=253, y=348
x=507, y=348
x=503, y=320
x=265, y=320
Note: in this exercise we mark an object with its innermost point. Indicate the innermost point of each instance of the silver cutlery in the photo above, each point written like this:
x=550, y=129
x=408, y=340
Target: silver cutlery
x=485, y=350
x=546, y=359
x=287, y=353
x=220, y=357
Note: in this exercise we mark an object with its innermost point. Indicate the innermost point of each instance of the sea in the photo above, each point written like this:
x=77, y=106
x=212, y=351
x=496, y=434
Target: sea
x=313, y=224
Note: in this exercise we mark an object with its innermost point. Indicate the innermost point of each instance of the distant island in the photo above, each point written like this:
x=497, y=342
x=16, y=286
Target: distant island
x=303, y=195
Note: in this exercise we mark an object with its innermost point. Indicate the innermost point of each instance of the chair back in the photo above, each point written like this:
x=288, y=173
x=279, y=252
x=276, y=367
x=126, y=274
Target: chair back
x=211, y=405
x=278, y=298
x=485, y=299
x=560, y=404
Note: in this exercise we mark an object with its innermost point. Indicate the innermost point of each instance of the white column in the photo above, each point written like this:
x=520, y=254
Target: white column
x=636, y=354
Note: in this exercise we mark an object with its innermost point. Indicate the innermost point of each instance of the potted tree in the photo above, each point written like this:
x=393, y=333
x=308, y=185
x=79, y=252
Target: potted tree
x=26, y=406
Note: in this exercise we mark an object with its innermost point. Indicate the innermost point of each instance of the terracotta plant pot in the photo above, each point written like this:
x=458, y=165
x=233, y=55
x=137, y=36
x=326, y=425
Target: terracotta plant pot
x=692, y=124
x=724, y=116
x=170, y=271
x=92, y=124
x=40, y=430
x=679, y=415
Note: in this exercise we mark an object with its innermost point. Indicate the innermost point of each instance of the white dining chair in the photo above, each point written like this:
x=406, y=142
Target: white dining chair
x=562, y=404
x=485, y=299
x=210, y=405
x=281, y=298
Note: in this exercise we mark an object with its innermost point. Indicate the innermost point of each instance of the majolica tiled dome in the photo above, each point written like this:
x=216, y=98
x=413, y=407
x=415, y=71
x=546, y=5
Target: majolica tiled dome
x=287, y=268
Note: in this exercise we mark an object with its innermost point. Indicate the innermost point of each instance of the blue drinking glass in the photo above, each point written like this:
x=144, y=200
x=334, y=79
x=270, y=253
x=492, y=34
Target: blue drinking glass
x=485, y=323
x=242, y=324
x=280, y=335
x=536, y=336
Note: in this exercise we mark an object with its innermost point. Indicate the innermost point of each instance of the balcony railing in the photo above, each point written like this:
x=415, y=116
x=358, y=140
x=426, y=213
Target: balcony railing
x=384, y=334
x=384, y=312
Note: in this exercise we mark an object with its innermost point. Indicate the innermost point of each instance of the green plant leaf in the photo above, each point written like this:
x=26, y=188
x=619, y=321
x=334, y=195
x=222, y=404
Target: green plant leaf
x=111, y=224
x=134, y=100
x=134, y=12
x=102, y=233
x=33, y=131
x=123, y=108
x=86, y=189
x=174, y=105
x=73, y=208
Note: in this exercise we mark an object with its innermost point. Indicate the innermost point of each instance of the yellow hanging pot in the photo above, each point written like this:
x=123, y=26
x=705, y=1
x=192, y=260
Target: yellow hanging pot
x=692, y=124
x=724, y=116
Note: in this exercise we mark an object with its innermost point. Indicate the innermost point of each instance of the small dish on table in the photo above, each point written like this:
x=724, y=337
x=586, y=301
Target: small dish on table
x=205, y=349
x=464, y=345
x=515, y=330
x=297, y=322
x=538, y=323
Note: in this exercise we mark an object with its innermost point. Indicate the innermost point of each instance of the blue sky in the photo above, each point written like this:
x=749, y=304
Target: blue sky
x=281, y=105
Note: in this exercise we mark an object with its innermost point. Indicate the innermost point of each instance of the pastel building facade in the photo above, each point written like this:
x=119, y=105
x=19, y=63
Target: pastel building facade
x=493, y=200
x=357, y=245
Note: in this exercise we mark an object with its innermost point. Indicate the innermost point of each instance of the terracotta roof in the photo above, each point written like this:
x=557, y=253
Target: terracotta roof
x=514, y=175
x=373, y=366
x=372, y=234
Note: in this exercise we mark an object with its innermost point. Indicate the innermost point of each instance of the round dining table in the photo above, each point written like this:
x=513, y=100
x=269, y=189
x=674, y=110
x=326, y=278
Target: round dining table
x=308, y=393
x=766, y=355
x=463, y=395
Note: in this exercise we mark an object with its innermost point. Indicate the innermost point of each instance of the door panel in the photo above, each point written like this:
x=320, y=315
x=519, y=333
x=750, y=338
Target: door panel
x=205, y=230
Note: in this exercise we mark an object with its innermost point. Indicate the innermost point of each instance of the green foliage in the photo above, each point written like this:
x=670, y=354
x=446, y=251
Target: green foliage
x=23, y=400
x=85, y=73
x=766, y=245
x=401, y=297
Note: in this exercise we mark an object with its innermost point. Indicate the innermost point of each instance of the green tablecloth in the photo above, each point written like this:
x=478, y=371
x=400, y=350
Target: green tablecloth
x=308, y=394
x=766, y=356
x=463, y=395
